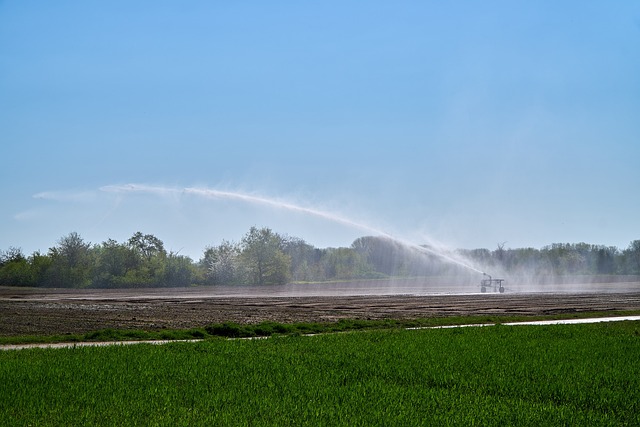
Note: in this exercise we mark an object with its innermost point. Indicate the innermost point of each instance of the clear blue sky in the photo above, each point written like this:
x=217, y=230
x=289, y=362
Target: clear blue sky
x=469, y=123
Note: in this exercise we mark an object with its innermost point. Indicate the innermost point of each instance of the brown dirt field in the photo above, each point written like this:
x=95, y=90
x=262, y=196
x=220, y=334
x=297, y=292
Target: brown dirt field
x=58, y=311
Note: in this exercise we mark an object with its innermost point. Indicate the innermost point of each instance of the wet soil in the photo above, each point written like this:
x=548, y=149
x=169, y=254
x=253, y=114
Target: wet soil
x=62, y=311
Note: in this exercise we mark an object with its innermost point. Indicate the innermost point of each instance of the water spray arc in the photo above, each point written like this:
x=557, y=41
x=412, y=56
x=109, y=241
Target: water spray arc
x=265, y=201
x=325, y=215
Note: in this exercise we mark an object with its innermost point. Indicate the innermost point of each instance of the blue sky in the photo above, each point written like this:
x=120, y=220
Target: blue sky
x=465, y=123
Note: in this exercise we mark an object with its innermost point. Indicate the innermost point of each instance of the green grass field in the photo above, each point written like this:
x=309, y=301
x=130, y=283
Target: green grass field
x=498, y=375
x=266, y=328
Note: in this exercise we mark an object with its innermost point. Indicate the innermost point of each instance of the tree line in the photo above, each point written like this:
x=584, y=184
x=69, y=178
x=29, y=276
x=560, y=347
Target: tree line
x=562, y=259
x=264, y=257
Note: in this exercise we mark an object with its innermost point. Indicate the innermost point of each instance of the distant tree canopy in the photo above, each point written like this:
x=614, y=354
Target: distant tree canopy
x=263, y=257
x=259, y=259
x=74, y=263
x=563, y=259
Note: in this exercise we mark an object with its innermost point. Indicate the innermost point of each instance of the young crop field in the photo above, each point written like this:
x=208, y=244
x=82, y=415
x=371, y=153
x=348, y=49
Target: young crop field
x=499, y=375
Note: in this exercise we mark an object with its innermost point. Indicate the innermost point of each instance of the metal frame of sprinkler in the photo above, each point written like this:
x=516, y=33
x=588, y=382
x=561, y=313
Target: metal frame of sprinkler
x=488, y=283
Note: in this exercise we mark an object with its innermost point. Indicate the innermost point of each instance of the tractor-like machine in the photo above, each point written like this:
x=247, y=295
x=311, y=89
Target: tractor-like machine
x=496, y=284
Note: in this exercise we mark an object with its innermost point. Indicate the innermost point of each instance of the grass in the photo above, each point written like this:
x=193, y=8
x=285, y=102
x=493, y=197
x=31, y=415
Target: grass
x=537, y=375
x=264, y=329
x=109, y=335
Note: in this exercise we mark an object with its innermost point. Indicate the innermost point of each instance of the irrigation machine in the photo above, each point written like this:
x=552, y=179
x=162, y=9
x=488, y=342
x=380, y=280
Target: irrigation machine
x=489, y=283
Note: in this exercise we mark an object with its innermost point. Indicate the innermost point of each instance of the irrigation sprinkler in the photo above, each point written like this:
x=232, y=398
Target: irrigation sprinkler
x=490, y=282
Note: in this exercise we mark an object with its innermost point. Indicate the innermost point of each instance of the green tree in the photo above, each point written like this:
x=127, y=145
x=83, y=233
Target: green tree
x=71, y=262
x=263, y=258
x=606, y=263
x=151, y=261
x=113, y=263
x=632, y=257
x=147, y=245
x=14, y=268
x=380, y=253
x=222, y=264
x=345, y=263
x=40, y=267
x=305, y=259
x=179, y=271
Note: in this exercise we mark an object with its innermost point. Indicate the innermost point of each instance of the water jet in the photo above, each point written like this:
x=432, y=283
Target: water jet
x=266, y=201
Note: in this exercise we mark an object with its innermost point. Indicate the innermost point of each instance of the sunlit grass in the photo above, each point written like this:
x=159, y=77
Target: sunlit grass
x=537, y=375
x=268, y=328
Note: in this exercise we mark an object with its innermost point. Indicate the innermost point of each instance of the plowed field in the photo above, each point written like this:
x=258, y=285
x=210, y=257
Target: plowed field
x=59, y=311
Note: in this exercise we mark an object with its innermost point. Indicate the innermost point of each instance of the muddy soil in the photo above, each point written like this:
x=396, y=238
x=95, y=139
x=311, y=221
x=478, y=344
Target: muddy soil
x=56, y=311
